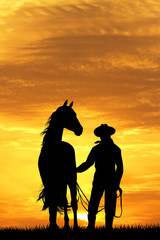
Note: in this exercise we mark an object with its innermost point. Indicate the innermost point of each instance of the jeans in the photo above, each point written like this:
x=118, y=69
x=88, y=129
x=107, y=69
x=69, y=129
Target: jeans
x=110, y=203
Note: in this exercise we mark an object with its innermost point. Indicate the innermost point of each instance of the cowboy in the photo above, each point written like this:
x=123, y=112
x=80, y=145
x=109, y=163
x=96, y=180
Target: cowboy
x=109, y=170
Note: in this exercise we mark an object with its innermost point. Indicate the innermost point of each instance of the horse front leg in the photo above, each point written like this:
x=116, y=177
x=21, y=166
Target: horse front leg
x=52, y=217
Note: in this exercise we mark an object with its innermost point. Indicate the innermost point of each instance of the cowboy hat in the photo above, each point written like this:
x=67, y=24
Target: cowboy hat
x=104, y=129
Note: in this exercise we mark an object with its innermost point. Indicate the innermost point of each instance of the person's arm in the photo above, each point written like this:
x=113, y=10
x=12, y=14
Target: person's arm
x=119, y=171
x=89, y=162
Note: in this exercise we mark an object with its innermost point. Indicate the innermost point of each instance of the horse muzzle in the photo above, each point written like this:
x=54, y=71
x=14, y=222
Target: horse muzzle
x=78, y=131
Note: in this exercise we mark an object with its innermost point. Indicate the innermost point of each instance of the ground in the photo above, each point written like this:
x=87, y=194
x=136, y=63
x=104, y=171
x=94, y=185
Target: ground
x=118, y=231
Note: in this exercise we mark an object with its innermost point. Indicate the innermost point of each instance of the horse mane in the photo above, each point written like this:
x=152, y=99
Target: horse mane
x=49, y=126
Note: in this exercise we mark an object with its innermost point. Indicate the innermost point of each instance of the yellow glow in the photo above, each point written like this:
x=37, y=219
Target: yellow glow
x=82, y=216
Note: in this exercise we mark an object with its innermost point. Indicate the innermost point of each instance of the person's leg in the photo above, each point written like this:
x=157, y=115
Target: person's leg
x=110, y=206
x=96, y=194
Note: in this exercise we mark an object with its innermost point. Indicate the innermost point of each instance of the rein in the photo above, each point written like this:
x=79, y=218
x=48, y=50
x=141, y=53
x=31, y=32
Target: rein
x=85, y=202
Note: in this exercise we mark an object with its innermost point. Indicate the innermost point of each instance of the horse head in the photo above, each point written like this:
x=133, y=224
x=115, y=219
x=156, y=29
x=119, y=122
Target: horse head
x=67, y=118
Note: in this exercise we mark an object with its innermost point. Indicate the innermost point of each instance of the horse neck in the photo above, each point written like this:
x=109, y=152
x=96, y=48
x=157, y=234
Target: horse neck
x=53, y=136
x=57, y=134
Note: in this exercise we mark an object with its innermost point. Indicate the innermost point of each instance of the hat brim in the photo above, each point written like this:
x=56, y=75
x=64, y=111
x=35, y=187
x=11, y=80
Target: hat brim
x=104, y=129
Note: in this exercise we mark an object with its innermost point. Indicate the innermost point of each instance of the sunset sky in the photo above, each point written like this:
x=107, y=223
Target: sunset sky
x=105, y=56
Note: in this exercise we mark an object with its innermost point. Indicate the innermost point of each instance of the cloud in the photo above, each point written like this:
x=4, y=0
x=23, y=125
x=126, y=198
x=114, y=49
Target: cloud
x=150, y=176
x=120, y=86
x=41, y=20
x=94, y=52
x=19, y=129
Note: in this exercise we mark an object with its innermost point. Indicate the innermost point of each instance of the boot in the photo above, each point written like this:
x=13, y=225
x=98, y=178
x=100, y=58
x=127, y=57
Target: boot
x=91, y=222
x=109, y=222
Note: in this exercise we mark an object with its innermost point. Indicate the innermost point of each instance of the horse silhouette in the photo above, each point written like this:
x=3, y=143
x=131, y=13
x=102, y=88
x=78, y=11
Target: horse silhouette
x=57, y=165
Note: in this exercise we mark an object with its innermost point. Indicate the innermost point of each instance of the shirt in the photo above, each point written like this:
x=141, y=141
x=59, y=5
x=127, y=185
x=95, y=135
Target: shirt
x=108, y=162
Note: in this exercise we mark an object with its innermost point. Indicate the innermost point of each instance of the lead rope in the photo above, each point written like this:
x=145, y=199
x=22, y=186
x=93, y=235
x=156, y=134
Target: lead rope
x=85, y=202
x=119, y=196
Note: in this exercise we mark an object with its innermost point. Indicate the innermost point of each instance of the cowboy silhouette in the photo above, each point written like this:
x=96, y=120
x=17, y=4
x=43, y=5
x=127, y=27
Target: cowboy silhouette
x=109, y=169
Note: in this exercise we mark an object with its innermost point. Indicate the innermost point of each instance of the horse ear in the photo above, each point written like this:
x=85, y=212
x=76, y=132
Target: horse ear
x=65, y=103
x=71, y=104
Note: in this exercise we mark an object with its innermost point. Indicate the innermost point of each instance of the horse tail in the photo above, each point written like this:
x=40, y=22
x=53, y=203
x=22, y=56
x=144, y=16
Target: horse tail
x=42, y=196
x=57, y=198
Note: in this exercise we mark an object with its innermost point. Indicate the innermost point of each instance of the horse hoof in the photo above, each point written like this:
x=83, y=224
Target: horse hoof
x=75, y=228
x=53, y=227
x=66, y=228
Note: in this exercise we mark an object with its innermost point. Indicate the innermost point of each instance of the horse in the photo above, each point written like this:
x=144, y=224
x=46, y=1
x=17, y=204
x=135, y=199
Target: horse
x=57, y=165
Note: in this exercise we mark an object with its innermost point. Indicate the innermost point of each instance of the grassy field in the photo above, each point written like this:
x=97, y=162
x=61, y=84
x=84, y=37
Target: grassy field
x=118, y=231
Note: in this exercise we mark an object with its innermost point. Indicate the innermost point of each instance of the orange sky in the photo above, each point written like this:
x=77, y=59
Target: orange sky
x=104, y=55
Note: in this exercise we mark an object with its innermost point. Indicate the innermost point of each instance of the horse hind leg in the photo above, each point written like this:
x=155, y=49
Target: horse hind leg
x=74, y=204
x=74, y=207
x=66, y=218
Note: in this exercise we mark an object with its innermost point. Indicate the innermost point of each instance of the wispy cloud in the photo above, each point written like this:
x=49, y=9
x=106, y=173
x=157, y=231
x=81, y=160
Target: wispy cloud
x=150, y=176
x=19, y=129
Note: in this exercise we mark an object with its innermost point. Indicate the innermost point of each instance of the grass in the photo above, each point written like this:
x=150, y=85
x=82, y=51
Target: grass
x=118, y=231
